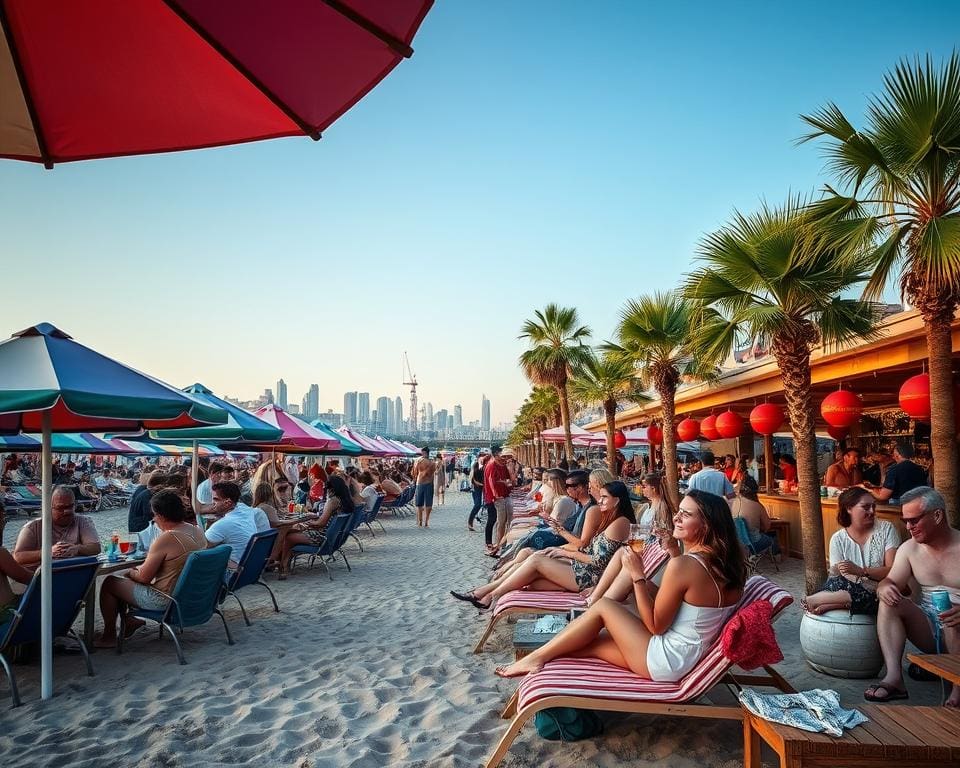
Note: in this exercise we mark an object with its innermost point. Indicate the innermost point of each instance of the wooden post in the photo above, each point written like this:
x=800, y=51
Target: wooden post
x=768, y=468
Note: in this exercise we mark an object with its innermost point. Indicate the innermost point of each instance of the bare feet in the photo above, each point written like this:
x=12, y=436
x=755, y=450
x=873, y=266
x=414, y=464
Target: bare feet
x=524, y=666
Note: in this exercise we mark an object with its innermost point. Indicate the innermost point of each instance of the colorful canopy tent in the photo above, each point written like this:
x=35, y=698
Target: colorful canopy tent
x=347, y=446
x=410, y=446
x=580, y=436
x=204, y=74
x=49, y=383
x=402, y=450
x=60, y=443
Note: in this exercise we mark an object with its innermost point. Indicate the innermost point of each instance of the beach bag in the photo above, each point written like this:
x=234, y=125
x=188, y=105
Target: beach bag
x=464, y=485
x=567, y=724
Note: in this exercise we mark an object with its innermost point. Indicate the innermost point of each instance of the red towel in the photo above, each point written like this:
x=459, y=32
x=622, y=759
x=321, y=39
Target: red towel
x=748, y=638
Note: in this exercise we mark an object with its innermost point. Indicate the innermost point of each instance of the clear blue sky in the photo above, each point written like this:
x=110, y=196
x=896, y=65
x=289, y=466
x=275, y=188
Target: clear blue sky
x=529, y=152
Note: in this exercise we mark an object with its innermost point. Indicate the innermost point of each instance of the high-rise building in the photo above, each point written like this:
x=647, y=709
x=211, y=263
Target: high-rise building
x=294, y=409
x=282, y=394
x=382, y=421
x=363, y=406
x=391, y=421
x=332, y=419
x=457, y=416
x=398, y=425
x=484, y=413
x=349, y=407
x=442, y=418
x=312, y=403
x=430, y=423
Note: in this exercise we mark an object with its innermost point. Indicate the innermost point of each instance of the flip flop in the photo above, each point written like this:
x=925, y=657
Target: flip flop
x=467, y=597
x=890, y=693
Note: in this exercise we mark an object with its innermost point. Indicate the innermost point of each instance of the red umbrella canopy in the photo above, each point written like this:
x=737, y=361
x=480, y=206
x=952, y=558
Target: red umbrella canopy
x=104, y=78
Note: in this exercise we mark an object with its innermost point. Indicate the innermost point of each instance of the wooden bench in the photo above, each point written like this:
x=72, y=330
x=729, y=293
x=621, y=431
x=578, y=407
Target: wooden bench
x=919, y=737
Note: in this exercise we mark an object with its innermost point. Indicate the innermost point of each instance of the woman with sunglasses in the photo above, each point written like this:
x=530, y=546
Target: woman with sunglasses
x=677, y=623
x=861, y=554
x=558, y=569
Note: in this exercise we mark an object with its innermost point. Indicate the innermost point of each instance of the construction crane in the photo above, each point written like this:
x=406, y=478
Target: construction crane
x=410, y=380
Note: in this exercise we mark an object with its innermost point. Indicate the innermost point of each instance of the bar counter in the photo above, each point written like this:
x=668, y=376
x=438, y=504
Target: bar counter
x=787, y=507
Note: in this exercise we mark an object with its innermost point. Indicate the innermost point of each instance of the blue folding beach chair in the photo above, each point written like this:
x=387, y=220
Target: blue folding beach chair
x=372, y=515
x=754, y=553
x=356, y=520
x=71, y=580
x=335, y=535
x=194, y=598
x=250, y=570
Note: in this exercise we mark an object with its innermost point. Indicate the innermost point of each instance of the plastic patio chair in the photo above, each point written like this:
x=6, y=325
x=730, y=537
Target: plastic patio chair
x=250, y=569
x=71, y=580
x=372, y=515
x=754, y=554
x=195, y=597
x=334, y=536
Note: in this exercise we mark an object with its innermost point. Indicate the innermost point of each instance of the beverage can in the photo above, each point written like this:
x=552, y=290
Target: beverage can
x=291, y=507
x=940, y=599
x=823, y=491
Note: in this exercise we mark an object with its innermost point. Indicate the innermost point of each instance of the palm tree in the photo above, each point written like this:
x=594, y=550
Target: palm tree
x=900, y=175
x=654, y=334
x=604, y=380
x=766, y=279
x=545, y=408
x=556, y=341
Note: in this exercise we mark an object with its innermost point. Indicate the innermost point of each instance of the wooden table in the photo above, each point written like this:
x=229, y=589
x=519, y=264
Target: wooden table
x=918, y=737
x=945, y=665
x=781, y=529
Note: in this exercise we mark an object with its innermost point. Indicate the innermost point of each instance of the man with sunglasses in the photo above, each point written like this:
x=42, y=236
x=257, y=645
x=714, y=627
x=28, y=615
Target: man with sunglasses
x=931, y=556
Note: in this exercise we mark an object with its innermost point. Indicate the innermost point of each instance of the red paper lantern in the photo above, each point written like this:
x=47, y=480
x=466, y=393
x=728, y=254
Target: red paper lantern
x=654, y=435
x=838, y=433
x=687, y=430
x=841, y=408
x=766, y=418
x=729, y=424
x=915, y=397
x=619, y=439
x=708, y=428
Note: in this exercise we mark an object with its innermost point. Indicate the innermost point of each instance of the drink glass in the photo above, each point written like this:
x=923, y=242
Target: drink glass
x=125, y=547
x=637, y=538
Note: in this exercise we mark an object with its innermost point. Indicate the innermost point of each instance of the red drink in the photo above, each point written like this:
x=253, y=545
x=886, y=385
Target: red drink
x=125, y=547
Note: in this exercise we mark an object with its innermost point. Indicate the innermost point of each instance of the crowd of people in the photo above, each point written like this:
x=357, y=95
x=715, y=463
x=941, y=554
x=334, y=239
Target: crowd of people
x=172, y=517
x=573, y=541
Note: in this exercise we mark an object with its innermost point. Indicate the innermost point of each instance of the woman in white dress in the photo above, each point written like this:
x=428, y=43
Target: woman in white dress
x=678, y=622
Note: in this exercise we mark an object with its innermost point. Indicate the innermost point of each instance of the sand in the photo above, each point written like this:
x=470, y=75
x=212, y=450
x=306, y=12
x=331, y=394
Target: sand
x=372, y=669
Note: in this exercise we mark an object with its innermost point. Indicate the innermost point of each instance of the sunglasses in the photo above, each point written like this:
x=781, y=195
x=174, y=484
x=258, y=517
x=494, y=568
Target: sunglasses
x=573, y=485
x=909, y=522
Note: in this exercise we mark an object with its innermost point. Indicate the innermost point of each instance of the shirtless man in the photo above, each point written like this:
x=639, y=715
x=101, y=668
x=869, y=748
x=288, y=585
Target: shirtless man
x=424, y=470
x=932, y=557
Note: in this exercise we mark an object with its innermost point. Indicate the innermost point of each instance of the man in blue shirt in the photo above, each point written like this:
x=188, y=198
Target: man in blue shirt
x=710, y=479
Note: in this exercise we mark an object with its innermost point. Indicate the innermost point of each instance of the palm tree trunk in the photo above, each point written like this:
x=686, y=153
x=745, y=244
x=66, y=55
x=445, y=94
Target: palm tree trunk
x=565, y=420
x=794, y=361
x=610, y=408
x=943, y=443
x=667, y=394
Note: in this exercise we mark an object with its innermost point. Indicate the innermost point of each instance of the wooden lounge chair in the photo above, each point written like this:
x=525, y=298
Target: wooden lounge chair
x=595, y=684
x=522, y=601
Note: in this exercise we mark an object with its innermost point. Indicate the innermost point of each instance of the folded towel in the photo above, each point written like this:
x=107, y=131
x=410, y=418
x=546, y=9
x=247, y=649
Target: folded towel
x=748, y=638
x=549, y=625
x=817, y=710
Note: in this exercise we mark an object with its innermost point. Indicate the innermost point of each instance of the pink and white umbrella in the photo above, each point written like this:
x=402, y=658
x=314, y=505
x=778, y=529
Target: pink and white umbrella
x=580, y=436
x=367, y=443
x=298, y=436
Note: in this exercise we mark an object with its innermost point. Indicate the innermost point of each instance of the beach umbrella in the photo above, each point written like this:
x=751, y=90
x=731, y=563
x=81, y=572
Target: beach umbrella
x=402, y=450
x=103, y=78
x=580, y=436
x=367, y=443
x=49, y=383
x=296, y=436
x=347, y=446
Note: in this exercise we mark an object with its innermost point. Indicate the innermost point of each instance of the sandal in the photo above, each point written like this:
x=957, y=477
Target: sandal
x=890, y=693
x=467, y=597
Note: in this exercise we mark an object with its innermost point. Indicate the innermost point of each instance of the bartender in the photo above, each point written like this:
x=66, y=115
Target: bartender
x=845, y=472
x=902, y=476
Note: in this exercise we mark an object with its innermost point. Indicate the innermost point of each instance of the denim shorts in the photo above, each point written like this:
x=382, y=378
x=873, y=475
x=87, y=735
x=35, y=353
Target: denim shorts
x=149, y=599
x=424, y=497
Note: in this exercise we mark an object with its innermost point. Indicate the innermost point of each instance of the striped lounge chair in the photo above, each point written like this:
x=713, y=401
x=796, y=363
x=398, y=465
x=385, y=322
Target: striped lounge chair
x=522, y=601
x=595, y=684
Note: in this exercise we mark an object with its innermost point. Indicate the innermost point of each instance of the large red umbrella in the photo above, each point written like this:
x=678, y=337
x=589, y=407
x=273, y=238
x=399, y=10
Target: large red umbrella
x=103, y=78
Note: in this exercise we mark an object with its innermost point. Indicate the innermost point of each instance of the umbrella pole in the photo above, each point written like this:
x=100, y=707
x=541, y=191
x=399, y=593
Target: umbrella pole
x=46, y=559
x=195, y=471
